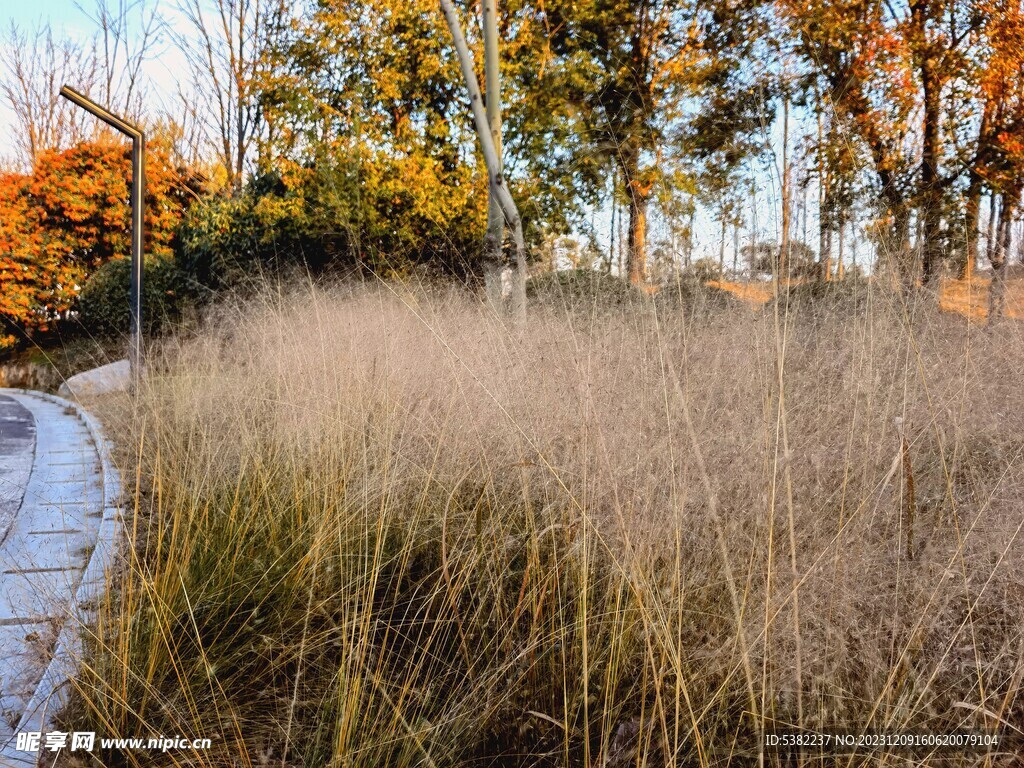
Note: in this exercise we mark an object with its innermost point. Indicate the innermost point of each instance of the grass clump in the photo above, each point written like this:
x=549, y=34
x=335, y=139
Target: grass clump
x=372, y=530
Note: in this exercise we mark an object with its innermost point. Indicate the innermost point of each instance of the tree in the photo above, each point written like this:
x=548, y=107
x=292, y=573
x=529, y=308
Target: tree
x=372, y=106
x=30, y=282
x=879, y=65
x=935, y=33
x=231, y=53
x=1000, y=155
x=859, y=59
x=127, y=30
x=495, y=216
x=68, y=217
x=108, y=67
x=833, y=162
x=512, y=278
x=628, y=65
x=634, y=70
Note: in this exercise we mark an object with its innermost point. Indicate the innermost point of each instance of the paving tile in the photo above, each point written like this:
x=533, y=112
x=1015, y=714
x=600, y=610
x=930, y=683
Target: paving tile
x=44, y=551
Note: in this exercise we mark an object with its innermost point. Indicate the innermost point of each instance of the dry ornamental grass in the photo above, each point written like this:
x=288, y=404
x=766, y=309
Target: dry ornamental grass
x=374, y=527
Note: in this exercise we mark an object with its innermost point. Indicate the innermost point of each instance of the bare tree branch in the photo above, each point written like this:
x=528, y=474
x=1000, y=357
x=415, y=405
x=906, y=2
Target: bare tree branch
x=35, y=66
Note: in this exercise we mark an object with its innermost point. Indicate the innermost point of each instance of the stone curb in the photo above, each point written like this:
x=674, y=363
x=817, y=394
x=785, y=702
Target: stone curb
x=51, y=692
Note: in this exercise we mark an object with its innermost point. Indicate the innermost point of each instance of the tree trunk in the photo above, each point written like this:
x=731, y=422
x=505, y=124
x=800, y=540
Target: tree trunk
x=721, y=250
x=824, y=241
x=824, y=253
x=638, y=195
x=784, y=245
x=495, y=282
x=972, y=207
x=990, y=236
x=840, y=266
x=513, y=277
x=611, y=235
x=689, y=239
x=735, y=246
x=618, y=236
x=637, y=256
x=997, y=291
x=931, y=200
x=853, y=252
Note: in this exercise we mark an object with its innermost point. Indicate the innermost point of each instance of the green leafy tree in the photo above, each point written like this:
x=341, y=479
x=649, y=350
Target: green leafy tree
x=372, y=105
x=635, y=72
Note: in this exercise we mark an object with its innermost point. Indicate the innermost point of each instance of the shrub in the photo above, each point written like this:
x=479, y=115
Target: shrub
x=103, y=306
x=225, y=241
x=583, y=289
x=818, y=298
x=315, y=220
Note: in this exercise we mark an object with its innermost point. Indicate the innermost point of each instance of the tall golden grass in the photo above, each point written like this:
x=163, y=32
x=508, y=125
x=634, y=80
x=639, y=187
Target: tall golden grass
x=374, y=527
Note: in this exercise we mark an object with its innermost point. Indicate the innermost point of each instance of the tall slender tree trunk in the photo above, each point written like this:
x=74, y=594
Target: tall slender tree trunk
x=611, y=235
x=621, y=258
x=721, y=250
x=972, y=209
x=824, y=253
x=784, y=245
x=840, y=264
x=1009, y=213
x=824, y=246
x=689, y=239
x=638, y=195
x=496, y=282
x=853, y=252
x=824, y=239
x=800, y=217
x=990, y=235
x=735, y=246
x=513, y=277
x=931, y=200
x=997, y=291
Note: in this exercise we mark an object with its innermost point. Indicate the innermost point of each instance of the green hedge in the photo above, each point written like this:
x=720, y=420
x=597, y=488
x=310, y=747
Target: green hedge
x=103, y=303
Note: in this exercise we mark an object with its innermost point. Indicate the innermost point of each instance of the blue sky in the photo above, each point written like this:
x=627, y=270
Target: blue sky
x=59, y=12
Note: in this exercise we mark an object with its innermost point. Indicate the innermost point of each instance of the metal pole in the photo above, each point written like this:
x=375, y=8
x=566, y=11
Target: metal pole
x=138, y=204
x=138, y=208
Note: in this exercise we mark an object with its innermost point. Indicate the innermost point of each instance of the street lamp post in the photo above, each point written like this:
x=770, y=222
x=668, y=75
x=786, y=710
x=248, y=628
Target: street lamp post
x=138, y=203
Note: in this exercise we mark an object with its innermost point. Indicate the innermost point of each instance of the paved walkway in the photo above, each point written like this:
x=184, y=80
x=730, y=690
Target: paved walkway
x=53, y=504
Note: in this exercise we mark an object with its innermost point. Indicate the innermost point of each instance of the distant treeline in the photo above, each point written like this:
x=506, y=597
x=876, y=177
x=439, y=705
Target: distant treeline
x=338, y=134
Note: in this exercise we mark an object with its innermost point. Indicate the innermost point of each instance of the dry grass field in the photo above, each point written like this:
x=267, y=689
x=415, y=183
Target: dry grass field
x=376, y=528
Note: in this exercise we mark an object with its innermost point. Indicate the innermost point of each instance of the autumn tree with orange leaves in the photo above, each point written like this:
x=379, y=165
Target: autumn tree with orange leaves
x=71, y=214
x=998, y=162
x=931, y=90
